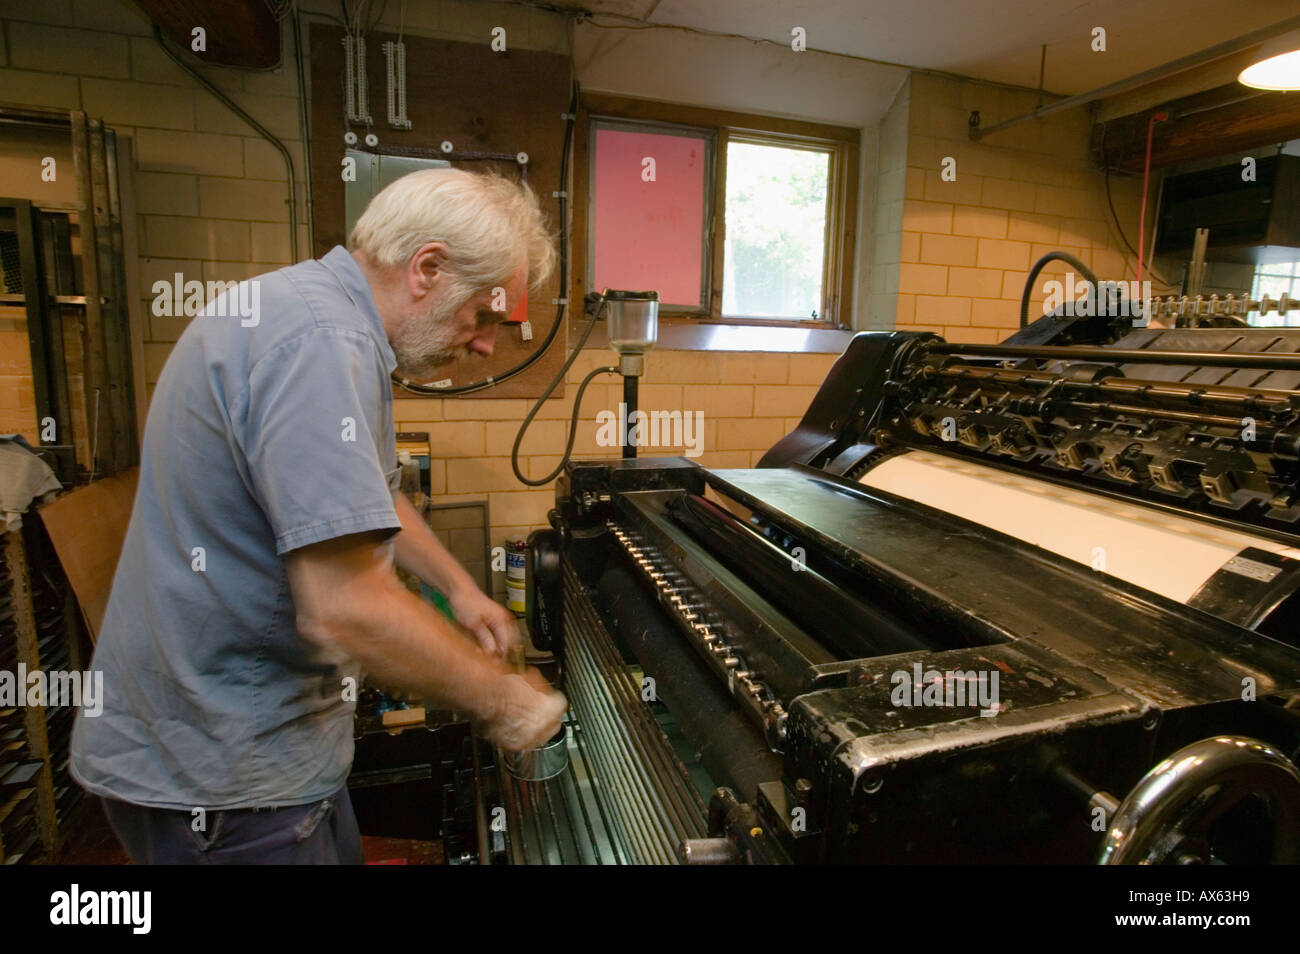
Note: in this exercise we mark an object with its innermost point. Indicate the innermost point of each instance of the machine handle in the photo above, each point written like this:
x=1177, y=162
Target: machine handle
x=1178, y=800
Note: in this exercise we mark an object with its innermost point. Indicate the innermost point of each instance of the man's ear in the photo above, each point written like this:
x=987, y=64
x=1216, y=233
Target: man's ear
x=427, y=267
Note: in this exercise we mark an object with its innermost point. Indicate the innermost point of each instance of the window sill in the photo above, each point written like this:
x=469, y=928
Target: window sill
x=686, y=334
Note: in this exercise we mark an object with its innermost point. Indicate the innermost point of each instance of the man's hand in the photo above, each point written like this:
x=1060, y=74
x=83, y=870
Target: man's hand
x=492, y=624
x=419, y=553
x=347, y=599
x=527, y=713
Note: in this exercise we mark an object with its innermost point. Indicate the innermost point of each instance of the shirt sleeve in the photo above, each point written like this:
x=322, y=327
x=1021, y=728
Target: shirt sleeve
x=317, y=418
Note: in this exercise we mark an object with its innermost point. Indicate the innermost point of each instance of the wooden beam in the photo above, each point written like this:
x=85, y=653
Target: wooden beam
x=1221, y=121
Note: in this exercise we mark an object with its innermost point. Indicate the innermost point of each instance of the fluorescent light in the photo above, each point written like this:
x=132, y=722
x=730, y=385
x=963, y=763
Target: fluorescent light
x=1276, y=66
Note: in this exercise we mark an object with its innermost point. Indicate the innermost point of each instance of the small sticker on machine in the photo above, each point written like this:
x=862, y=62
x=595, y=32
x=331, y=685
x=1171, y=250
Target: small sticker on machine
x=1252, y=568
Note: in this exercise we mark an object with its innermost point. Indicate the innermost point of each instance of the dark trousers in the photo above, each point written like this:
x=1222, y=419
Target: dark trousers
x=321, y=833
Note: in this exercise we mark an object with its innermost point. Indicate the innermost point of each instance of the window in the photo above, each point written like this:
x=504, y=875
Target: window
x=730, y=217
x=1274, y=280
x=652, y=199
x=775, y=255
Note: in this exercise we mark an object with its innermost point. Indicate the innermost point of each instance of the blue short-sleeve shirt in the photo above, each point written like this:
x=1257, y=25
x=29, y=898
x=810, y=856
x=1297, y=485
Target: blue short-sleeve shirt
x=271, y=428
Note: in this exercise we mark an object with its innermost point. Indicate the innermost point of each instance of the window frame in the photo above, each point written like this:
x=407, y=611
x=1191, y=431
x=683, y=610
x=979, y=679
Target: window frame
x=842, y=197
x=828, y=234
x=710, y=137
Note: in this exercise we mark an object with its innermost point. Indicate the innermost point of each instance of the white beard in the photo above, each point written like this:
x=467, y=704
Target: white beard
x=425, y=343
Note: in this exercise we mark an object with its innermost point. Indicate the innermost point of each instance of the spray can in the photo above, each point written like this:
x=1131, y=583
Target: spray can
x=516, y=576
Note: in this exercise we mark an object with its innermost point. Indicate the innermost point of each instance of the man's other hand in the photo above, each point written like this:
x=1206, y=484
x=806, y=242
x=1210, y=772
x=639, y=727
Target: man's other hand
x=494, y=626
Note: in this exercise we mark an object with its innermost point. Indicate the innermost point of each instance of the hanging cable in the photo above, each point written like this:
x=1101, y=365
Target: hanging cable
x=529, y=361
x=349, y=77
x=1146, y=179
x=1110, y=202
x=577, y=406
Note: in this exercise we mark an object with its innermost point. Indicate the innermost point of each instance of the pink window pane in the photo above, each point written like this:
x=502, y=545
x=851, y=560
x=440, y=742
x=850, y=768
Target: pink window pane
x=649, y=235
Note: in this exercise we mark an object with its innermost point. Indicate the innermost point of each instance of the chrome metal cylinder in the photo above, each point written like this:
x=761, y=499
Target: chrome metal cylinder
x=539, y=764
x=633, y=320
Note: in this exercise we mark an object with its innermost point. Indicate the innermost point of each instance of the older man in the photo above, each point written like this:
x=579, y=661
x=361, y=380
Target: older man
x=256, y=581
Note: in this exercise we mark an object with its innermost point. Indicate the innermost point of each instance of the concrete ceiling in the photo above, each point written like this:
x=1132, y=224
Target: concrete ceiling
x=998, y=40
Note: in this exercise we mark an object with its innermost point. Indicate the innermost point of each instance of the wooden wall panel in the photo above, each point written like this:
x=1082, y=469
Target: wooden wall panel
x=478, y=100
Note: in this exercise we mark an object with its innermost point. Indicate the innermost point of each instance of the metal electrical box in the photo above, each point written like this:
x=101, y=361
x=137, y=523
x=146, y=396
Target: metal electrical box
x=373, y=173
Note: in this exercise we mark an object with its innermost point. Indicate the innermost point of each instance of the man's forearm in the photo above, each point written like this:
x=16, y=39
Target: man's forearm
x=404, y=643
x=421, y=554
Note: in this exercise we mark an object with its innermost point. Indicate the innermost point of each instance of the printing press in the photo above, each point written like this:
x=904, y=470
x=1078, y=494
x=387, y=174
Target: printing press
x=1034, y=603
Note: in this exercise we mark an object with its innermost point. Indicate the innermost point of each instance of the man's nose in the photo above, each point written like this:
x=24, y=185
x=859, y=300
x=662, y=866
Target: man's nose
x=484, y=341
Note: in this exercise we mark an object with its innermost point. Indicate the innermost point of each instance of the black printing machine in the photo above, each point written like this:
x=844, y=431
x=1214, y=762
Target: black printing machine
x=1030, y=602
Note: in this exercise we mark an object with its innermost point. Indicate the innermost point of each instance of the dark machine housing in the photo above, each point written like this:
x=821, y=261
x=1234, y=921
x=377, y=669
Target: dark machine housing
x=789, y=664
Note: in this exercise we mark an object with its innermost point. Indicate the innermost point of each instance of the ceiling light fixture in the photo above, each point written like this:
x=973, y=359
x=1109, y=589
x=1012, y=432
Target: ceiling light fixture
x=1276, y=65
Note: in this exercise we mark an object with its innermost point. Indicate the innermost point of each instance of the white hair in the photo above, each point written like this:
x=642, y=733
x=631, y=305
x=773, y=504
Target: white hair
x=490, y=225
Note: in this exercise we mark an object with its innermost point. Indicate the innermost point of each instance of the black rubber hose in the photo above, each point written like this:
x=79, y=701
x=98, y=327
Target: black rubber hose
x=573, y=430
x=631, y=390
x=1066, y=257
x=577, y=406
x=551, y=335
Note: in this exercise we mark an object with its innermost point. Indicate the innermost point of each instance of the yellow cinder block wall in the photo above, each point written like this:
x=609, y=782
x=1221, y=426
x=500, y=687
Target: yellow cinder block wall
x=209, y=193
x=964, y=247
x=749, y=401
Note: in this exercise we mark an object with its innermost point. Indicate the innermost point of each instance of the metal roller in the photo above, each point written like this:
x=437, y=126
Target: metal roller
x=729, y=746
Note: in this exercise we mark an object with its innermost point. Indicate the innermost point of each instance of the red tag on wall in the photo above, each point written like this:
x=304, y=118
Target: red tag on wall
x=520, y=314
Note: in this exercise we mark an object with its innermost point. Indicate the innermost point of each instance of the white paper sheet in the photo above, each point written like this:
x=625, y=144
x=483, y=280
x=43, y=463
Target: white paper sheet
x=1161, y=552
